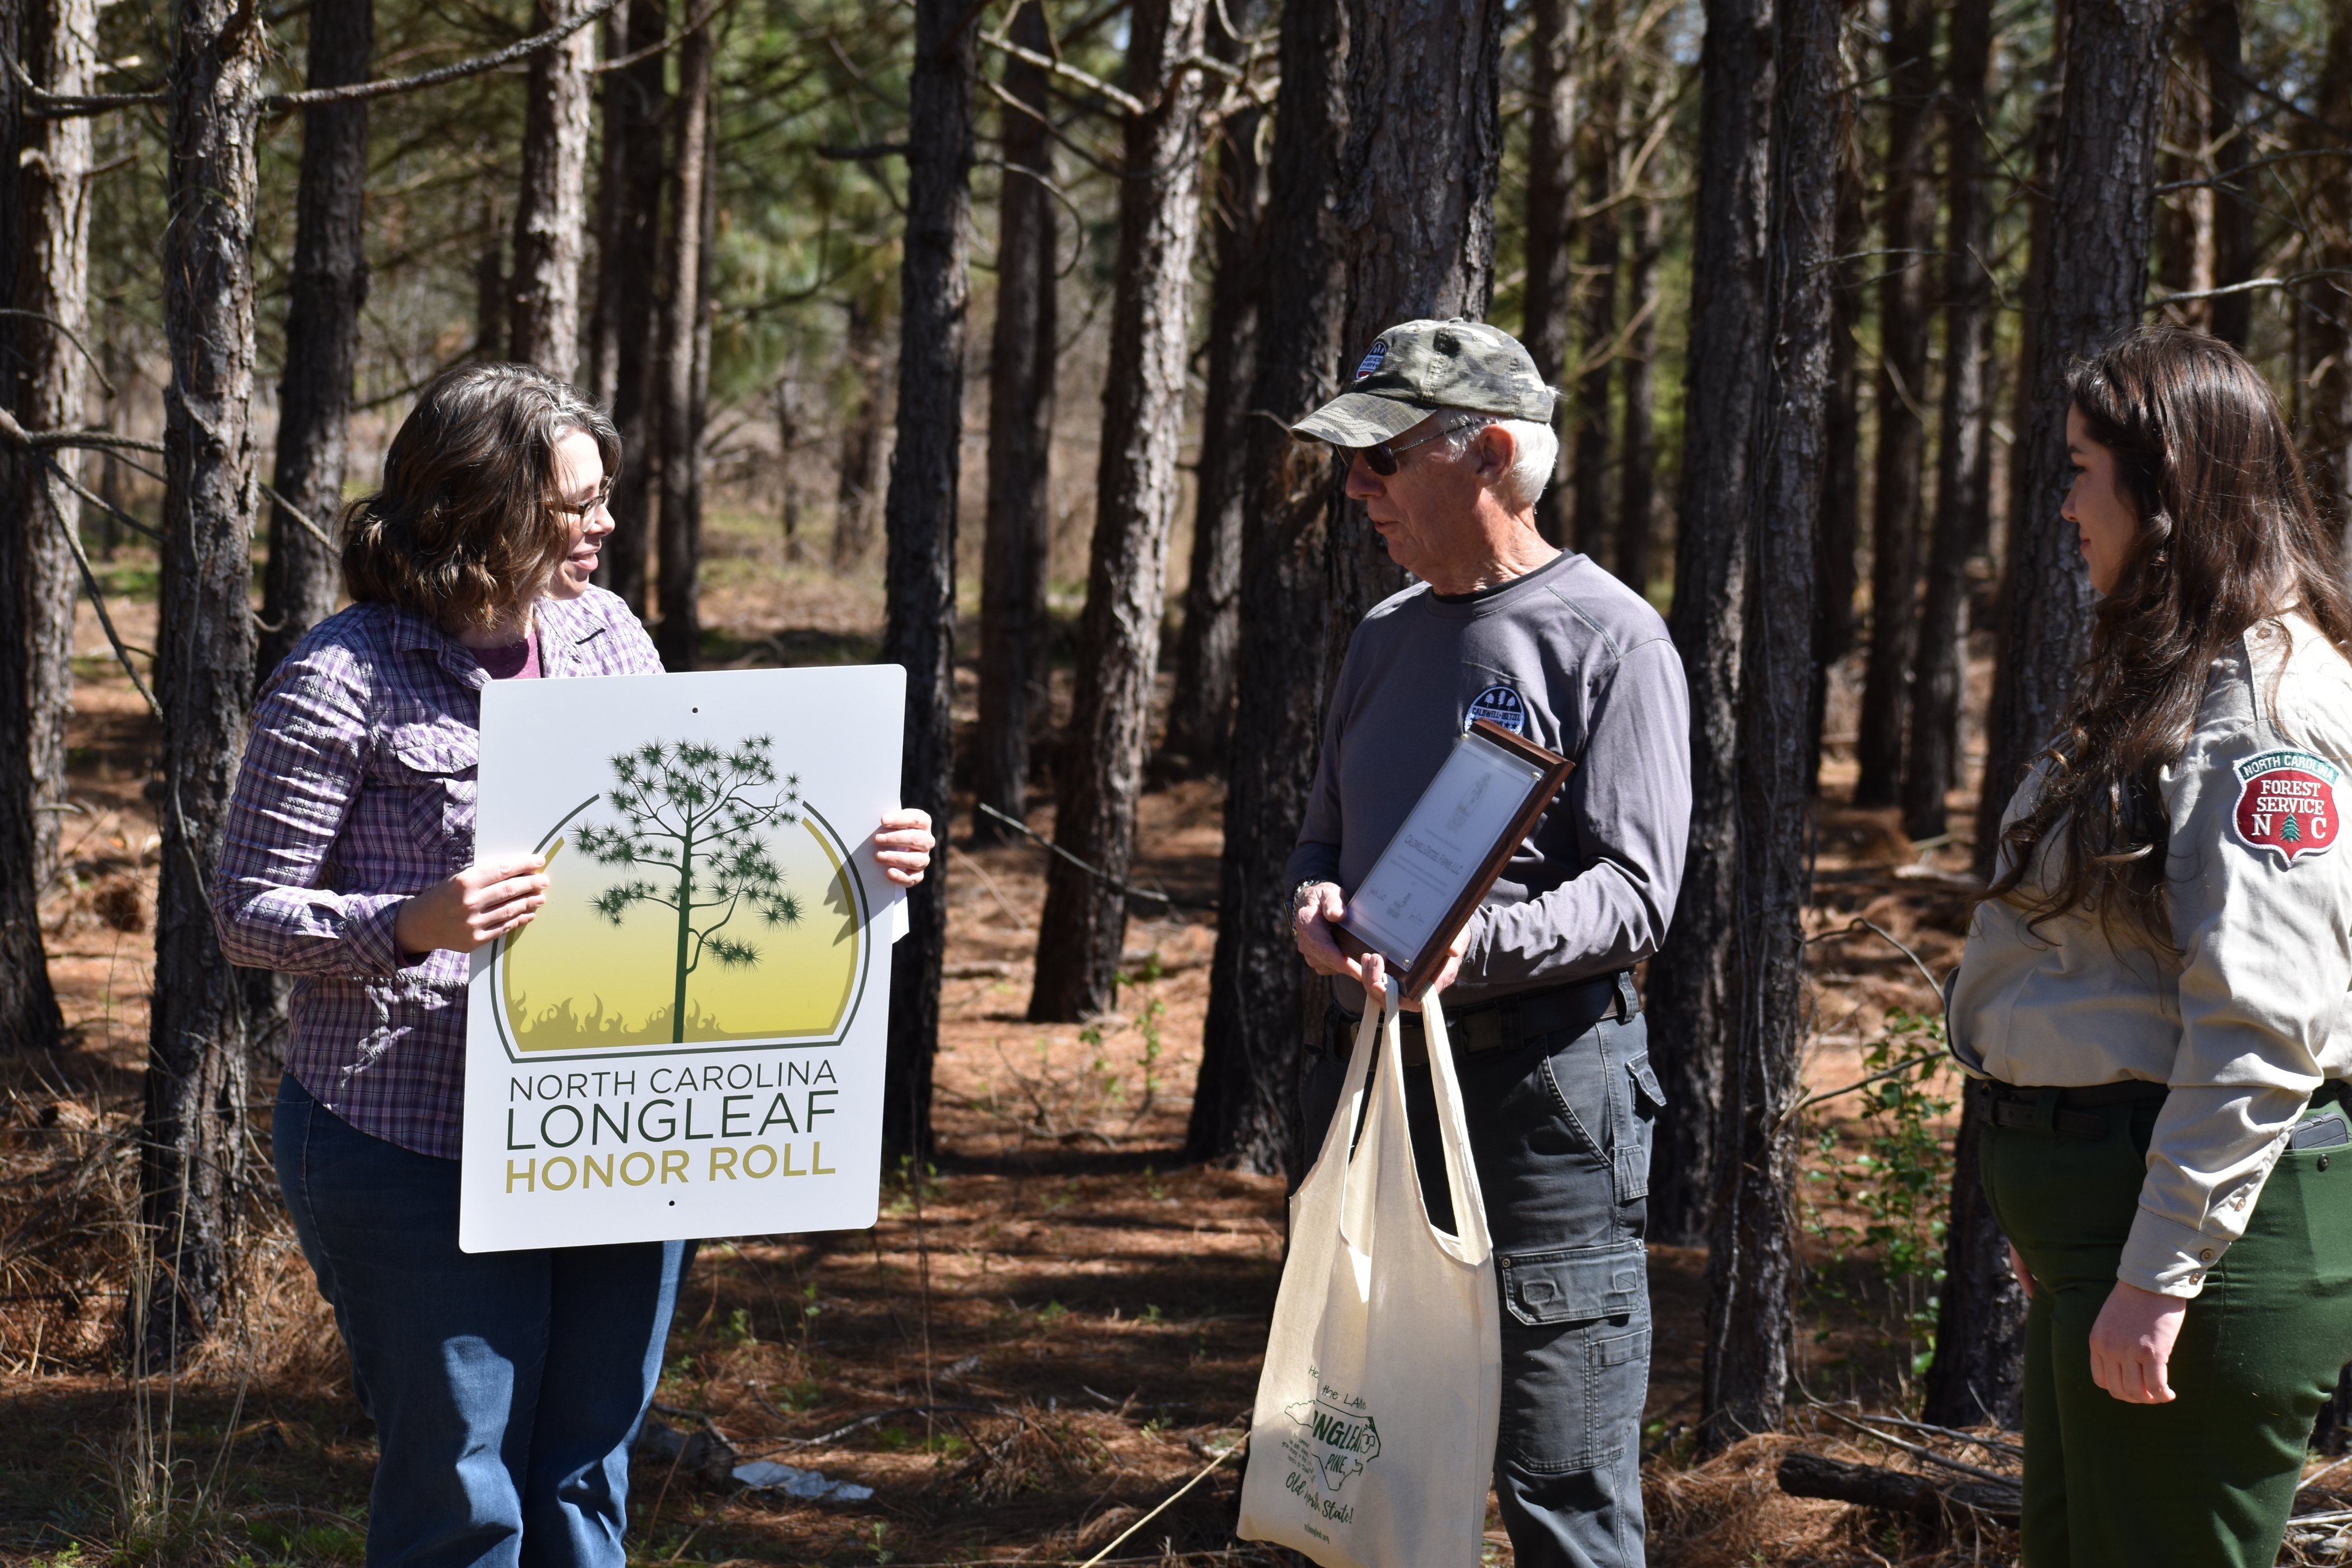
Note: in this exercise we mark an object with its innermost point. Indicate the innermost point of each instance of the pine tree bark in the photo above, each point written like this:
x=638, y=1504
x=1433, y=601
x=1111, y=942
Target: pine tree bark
x=1085, y=920
x=2227, y=134
x=629, y=259
x=1014, y=625
x=2092, y=287
x=1690, y=1002
x=1598, y=286
x=1550, y=210
x=29, y=1019
x=325, y=290
x=54, y=284
x=1980, y=1366
x=1840, y=534
x=1637, y=480
x=1752, y=1255
x=862, y=445
x=2328, y=351
x=195, y=1131
x=1963, y=452
x=1424, y=144
x=551, y=214
x=920, y=521
x=1201, y=710
x=1905, y=332
x=678, y=634
x=1245, y=1105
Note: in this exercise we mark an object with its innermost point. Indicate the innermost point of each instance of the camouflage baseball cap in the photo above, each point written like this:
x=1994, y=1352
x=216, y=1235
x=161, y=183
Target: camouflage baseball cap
x=1414, y=369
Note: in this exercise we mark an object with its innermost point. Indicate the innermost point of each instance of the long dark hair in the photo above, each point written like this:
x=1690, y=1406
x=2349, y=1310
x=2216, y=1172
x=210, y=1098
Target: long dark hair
x=2229, y=535
x=465, y=527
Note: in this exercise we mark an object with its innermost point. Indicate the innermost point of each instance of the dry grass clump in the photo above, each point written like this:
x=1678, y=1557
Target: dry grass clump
x=69, y=1160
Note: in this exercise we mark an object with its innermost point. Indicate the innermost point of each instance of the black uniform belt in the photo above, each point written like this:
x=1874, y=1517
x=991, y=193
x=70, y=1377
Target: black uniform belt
x=1509, y=1021
x=2069, y=1113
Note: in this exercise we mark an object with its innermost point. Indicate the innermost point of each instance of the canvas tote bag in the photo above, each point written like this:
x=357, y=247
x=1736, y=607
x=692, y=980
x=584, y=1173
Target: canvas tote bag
x=1373, y=1439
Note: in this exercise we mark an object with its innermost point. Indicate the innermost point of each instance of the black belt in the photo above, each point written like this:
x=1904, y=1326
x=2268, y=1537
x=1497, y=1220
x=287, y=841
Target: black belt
x=1511, y=1021
x=2069, y=1113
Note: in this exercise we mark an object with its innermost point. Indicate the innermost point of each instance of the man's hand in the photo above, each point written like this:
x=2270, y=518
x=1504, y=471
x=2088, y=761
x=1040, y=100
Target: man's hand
x=903, y=845
x=2131, y=1344
x=480, y=904
x=1311, y=921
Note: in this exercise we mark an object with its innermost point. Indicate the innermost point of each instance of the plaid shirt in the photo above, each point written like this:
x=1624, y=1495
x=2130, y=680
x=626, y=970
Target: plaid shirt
x=357, y=790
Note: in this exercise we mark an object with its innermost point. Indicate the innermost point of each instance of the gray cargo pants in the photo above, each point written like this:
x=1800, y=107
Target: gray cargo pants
x=1560, y=1132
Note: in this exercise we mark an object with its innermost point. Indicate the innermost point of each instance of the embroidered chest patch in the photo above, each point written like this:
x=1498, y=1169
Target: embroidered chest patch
x=1502, y=704
x=2286, y=802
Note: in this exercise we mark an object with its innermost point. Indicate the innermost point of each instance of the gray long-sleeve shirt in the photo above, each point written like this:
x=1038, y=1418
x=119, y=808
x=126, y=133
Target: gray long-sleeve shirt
x=1573, y=660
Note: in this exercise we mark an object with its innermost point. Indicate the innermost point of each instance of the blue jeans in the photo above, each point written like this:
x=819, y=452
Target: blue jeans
x=505, y=1386
x=1560, y=1134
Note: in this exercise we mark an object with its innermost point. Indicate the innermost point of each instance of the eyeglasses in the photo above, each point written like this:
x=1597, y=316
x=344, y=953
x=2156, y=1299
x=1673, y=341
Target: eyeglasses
x=603, y=495
x=1381, y=459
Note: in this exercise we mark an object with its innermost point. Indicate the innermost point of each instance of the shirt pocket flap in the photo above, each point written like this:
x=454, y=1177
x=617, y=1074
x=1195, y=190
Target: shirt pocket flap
x=1574, y=1284
x=442, y=747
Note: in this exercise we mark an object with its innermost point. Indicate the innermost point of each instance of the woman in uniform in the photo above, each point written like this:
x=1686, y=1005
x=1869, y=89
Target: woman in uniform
x=2153, y=1006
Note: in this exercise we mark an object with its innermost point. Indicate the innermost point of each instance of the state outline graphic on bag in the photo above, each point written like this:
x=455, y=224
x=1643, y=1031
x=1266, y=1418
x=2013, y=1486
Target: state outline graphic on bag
x=1342, y=1426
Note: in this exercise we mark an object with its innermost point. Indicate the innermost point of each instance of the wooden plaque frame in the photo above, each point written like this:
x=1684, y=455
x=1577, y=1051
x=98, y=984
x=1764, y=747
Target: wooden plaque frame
x=1425, y=963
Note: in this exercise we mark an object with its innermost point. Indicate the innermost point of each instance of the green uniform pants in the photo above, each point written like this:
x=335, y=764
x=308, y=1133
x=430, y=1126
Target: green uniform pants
x=2209, y=1478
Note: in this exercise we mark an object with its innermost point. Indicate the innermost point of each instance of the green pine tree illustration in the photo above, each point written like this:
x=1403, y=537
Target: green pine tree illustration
x=2290, y=829
x=697, y=817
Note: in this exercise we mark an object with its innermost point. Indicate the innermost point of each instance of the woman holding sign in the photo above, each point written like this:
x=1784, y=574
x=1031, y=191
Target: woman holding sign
x=505, y=1386
x=2156, y=1003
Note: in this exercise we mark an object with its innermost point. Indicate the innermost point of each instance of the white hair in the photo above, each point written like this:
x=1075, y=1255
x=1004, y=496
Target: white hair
x=1535, y=447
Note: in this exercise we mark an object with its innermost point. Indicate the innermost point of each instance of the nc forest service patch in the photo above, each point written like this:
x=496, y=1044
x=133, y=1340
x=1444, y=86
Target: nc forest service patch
x=2286, y=802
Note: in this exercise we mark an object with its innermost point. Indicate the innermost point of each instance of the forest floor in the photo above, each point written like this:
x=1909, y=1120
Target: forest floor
x=1043, y=1338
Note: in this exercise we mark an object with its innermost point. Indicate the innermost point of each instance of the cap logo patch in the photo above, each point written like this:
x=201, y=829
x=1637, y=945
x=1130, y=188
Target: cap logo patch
x=1372, y=360
x=2286, y=803
x=1500, y=704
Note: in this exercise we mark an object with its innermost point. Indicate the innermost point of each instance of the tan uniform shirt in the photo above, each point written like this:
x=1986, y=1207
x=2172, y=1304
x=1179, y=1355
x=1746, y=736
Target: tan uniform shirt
x=2254, y=1009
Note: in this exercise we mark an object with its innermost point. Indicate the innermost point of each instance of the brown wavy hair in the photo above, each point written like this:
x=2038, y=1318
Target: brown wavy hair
x=465, y=527
x=2229, y=535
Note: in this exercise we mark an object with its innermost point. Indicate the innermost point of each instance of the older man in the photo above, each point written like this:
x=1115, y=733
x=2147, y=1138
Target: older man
x=1451, y=432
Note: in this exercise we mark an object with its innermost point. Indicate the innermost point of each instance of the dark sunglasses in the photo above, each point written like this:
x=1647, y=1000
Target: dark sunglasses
x=1381, y=459
x=604, y=493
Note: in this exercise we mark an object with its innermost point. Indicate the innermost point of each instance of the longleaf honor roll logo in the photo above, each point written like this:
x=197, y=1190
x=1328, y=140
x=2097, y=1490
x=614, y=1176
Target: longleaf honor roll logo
x=2286, y=803
x=704, y=903
x=1374, y=359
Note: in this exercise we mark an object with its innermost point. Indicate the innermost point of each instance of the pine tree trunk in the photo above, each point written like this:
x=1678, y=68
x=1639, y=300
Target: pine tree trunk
x=1085, y=920
x=54, y=282
x=2226, y=132
x=2091, y=289
x=1979, y=1371
x=861, y=444
x=325, y=290
x=1637, y=485
x=551, y=215
x=1753, y=1258
x=678, y=634
x=1690, y=1002
x=1550, y=210
x=1201, y=710
x=920, y=518
x=2328, y=399
x=29, y=1019
x=195, y=1131
x=1013, y=625
x=1905, y=334
x=1841, y=522
x=628, y=261
x=1963, y=452
x=1598, y=319
x=1245, y=1105
x=1425, y=143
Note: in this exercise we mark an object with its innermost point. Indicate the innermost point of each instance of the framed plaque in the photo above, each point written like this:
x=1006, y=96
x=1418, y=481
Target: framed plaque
x=1454, y=842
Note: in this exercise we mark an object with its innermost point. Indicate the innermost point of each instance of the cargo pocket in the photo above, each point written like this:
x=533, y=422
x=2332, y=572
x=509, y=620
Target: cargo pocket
x=433, y=764
x=1576, y=1355
x=1648, y=1101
